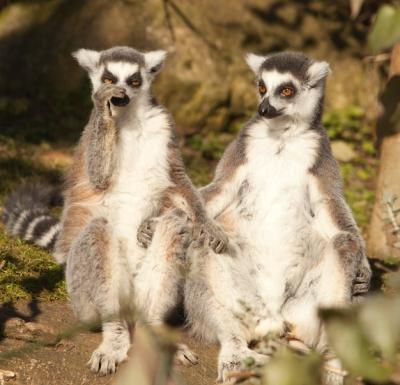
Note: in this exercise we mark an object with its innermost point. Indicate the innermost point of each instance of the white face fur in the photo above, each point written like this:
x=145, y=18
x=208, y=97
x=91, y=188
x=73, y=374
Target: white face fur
x=135, y=79
x=291, y=98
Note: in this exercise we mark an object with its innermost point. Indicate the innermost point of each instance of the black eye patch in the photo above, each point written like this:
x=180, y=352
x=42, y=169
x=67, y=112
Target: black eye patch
x=285, y=86
x=134, y=80
x=108, y=75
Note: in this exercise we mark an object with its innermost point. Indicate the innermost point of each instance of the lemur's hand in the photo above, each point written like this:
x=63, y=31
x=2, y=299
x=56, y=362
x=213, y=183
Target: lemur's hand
x=362, y=280
x=102, y=96
x=145, y=232
x=217, y=239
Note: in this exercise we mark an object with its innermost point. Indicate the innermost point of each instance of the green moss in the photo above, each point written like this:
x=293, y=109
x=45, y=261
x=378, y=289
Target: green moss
x=349, y=124
x=346, y=123
x=28, y=272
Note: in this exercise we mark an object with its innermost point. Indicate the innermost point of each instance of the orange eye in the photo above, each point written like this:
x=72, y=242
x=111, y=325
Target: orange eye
x=262, y=89
x=287, y=91
x=136, y=83
x=107, y=81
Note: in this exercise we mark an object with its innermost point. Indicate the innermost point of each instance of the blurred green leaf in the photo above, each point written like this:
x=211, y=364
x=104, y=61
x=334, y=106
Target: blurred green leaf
x=379, y=318
x=352, y=345
x=386, y=29
x=289, y=368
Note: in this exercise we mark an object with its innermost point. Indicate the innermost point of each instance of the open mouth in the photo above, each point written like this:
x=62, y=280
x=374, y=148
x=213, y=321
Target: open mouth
x=274, y=114
x=120, y=102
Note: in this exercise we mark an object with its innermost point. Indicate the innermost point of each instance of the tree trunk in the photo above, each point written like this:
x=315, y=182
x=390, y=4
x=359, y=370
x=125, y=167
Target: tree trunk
x=383, y=239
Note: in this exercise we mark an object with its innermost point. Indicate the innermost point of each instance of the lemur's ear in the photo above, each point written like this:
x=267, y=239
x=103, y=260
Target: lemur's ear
x=254, y=61
x=318, y=71
x=87, y=58
x=154, y=61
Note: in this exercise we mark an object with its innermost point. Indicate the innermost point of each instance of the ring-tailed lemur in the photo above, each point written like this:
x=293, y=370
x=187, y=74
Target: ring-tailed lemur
x=127, y=168
x=294, y=245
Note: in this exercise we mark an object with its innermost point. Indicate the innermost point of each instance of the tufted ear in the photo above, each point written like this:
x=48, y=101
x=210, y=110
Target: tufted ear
x=154, y=61
x=318, y=71
x=254, y=61
x=87, y=58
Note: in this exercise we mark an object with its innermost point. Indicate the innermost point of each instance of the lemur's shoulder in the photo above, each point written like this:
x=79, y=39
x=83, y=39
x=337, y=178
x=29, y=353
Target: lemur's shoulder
x=325, y=167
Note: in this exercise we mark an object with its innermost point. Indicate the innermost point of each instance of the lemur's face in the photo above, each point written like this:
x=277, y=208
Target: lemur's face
x=289, y=85
x=122, y=66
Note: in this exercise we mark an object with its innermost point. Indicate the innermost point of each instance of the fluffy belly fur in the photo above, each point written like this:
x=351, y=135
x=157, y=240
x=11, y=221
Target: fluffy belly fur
x=275, y=243
x=135, y=195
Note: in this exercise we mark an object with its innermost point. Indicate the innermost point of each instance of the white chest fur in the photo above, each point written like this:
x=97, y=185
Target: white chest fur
x=141, y=175
x=277, y=195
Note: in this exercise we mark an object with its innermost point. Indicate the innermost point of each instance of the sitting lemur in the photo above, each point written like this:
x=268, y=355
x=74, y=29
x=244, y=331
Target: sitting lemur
x=127, y=168
x=293, y=243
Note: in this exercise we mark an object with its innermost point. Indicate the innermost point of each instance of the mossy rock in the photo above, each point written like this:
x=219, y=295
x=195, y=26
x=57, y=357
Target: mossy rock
x=205, y=106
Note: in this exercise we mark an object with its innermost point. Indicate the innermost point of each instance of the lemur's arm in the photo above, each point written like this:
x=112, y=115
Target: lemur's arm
x=184, y=196
x=101, y=151
x=332, y=216
x=221, y=192
x=218, y=195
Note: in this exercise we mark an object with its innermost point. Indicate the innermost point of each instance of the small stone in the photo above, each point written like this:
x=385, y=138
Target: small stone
x=15, y=323
x=342, y=151
x=36, y=328
x=6, y=375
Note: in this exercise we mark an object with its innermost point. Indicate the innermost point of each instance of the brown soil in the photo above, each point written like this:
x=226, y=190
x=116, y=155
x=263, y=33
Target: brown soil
x=64, y=362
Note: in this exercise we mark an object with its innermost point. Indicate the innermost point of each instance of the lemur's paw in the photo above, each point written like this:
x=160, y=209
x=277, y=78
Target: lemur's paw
x=273, y=325
x=184, y=356
x=217, y=238
x=106, y=92
x=333, y=373
x=228, y=363
x=362, y=280
x=145, y=233
x=105, y=359
x=346, y=243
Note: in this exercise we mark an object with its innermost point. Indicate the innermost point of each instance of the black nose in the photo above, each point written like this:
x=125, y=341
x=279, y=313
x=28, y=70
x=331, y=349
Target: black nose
x=120, y=102
x=267, y=110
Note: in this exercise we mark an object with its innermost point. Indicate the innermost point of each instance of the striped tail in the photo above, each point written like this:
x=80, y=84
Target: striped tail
x=27, y=215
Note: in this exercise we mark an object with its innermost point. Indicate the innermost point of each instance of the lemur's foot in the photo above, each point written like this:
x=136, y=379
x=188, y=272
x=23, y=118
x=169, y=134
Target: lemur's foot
x=106, y=358
x=184, y=356
x=234, y=361
x=145, y=232
x=272, y=325
x=217, y=238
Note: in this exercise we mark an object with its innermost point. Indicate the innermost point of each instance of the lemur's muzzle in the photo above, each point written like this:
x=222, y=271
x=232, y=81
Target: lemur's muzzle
x=267, y=110
x=120, y=102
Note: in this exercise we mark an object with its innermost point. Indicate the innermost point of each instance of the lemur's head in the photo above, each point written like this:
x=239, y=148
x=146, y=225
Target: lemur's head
x=123, y=66
x=290, y=85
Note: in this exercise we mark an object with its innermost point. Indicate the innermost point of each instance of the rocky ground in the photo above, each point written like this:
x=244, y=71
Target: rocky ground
x=61, y=360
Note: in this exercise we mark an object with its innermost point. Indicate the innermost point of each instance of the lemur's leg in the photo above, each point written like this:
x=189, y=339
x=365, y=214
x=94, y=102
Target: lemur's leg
x=327, y=284
x=160, y=279
x=212, y=302
x=340, y=264
x=92, y=279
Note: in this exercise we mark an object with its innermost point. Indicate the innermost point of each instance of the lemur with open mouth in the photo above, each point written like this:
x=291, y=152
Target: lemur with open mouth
x=127, y=168
x=293, y=243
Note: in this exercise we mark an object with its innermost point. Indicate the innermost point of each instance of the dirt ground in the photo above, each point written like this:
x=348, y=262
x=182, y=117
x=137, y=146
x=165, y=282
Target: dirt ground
x=64, y=362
